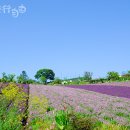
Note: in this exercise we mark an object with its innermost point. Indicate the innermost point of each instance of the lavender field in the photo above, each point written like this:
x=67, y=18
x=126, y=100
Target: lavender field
x=126, y=83
x=113, y=89
x=104, y=107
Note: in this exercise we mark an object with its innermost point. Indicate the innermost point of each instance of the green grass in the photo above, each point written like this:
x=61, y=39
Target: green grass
x=111, y=120
x=121, y=114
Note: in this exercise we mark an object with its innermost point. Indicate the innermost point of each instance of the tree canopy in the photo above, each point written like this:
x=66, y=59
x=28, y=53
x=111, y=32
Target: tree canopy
x=113, y=75
x=88, y=76
x=45, y=74
x=23, y=78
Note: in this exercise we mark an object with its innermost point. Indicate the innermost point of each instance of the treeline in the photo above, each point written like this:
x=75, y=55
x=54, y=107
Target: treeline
x=42, y=76
x=47, y=76
x=111, y=76
x=22, y=78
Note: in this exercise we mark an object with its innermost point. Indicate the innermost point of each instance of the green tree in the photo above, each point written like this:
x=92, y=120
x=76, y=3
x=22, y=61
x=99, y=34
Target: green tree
x=10, y=78
x=126, y=76
x=45, y=74
x=4, y=77
x=88, y=76
x=23, y=78
x=113, y=76
x=43, y=79
x=7, y=78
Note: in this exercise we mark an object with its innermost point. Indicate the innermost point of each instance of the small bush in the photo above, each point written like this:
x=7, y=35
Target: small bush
x=57, y=81
x=50, y=108
x=81, y=121
x=69, y=120
x=11, y=91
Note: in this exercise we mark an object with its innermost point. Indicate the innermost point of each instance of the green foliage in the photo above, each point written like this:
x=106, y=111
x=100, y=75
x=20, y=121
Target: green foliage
x=11, y=78
x=88, y=76
x=50, y=108
x=14, y=93
x=75, y=82
x=38, y=107
x=111, y=120
x=111, y=127
x=81, y=121
x=10, y=92
x=38, y=123
x=31, y=81
x=126, y=76
x=102, y=80
x=44, y=75
x=61, y=119
x=4, y=77
x=43, y=79
x=23, y=78
x=7, y=78
x=57, y=81
x=11, y=101
x=99, y=80
x=70, y=120
x=113, y=76
x=11, y=120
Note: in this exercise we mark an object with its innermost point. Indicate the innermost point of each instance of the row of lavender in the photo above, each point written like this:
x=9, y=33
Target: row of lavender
x=127, y=84
x=113, y=89
x=102, y=107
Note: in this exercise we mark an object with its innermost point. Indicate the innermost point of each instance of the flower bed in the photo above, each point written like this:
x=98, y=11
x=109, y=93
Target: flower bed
x=13, y=106
x=107, y=109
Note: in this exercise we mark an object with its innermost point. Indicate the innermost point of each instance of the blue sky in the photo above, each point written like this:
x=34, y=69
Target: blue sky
x=68, y=36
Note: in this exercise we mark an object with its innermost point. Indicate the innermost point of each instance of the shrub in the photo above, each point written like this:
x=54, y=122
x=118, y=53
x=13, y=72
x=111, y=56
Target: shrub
x=15, y=94
x=36, y=124
x=12, y=101
x=23, y=78
x=69, y=120
x=50, y=108
x=62, y=119
x=80, y=121
x=11, y=91
x=57, y=81
x=126, y=77
x=113, y=76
